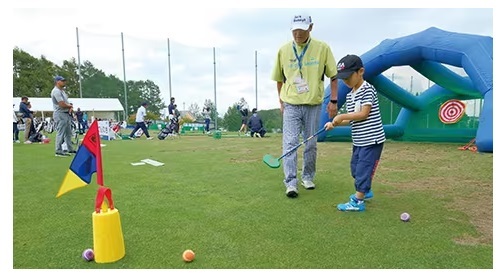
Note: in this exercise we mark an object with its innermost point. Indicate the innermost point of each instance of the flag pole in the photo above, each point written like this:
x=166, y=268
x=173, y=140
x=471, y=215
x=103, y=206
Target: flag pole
x=256, y=75
x=79, y=61
x=98, y=149
x=169, y=70
x=215, y=104
x=124, y=76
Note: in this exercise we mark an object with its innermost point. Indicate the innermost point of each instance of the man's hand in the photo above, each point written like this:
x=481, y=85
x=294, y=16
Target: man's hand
x=281, y=106
x=332, y=109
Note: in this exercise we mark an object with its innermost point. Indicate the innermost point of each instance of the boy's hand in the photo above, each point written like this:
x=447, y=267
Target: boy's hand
x=329, y=126
x=337, y=120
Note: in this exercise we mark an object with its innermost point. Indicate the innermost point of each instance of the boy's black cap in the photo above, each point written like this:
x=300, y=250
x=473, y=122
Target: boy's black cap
x=348, y=65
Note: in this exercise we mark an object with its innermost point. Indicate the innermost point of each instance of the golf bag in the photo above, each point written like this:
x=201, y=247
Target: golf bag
x=170, y=130
x=74, y=132
x=140, y=132
x=117, y=129
x=49, y=126
x=37, y=136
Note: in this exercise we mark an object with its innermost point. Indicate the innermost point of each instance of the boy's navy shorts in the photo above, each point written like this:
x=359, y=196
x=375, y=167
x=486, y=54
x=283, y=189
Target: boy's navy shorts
x=364, y=161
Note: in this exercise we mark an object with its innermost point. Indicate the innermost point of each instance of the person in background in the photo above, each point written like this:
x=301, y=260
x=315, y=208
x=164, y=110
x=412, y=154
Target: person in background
x=26, y=117
x=244, y=111
x=171, y=108
x=16, y=130
x=176, y=112
x=32, y=129
x=62, y=117
x=85, y=121
x=256, y=124
x=178, y=117
x=206, y=112
x=79, y=118
x=140, y=122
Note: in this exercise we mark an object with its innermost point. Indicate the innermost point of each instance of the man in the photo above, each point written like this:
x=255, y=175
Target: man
x=177, y=116
x=140, y=122
x=27, y=115
x=62, y=117
x=171, y=108
x=299, y=71
x=16, y=130
x=176, y=112
x=79, y=117
x=256, y=124
x=32, y=129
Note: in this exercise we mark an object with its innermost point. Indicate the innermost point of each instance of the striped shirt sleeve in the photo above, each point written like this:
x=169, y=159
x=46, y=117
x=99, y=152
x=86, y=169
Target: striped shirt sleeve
x=368, y=97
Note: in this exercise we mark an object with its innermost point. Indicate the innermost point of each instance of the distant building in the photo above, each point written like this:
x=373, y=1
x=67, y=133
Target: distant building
x=187, y=114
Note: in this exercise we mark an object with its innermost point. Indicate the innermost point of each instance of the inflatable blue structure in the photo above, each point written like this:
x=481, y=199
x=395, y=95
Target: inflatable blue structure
x=425, y=52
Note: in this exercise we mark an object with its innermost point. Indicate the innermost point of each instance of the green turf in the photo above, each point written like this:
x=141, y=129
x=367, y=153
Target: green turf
x=217, y=197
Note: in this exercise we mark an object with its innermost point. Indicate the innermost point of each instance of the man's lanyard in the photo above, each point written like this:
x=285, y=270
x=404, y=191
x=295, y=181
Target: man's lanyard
x=300, y=57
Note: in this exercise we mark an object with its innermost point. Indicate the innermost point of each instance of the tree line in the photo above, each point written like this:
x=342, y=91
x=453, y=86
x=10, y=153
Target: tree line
x=33, y=77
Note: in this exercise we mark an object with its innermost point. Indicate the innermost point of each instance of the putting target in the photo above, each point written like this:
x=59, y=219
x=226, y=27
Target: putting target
x=451, y=111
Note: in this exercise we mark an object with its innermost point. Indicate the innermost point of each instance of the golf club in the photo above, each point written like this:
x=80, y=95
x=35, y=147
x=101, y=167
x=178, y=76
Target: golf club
x=273, y=162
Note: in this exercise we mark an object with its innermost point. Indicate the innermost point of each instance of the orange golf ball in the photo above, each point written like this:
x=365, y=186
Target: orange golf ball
x=188, y=255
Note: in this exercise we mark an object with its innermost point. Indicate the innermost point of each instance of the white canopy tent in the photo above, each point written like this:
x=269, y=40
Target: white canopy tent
x=104, y=108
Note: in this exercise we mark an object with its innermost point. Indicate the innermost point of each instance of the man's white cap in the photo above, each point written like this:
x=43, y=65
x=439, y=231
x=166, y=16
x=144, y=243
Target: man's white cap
x=301, y=21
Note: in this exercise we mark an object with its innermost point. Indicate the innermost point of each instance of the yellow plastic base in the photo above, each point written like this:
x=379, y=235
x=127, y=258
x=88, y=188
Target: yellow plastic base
x=108, y=242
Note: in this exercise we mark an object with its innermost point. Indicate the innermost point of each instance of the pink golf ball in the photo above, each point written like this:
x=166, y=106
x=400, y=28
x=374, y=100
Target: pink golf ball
x=88, y=255
x=405, y=217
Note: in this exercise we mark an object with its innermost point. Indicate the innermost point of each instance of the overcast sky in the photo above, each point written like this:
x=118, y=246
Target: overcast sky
x=236, y=34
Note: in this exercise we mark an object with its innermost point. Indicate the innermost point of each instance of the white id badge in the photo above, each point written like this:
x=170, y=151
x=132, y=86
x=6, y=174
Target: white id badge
x=357, y=106
x=301, y=85
x=298, y=79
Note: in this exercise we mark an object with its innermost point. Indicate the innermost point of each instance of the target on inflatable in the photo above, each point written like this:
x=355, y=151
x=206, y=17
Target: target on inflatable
x=428, y=52
x=451, y=111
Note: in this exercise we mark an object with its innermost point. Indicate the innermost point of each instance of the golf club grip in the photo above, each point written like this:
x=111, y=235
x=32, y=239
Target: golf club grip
x=304, y=141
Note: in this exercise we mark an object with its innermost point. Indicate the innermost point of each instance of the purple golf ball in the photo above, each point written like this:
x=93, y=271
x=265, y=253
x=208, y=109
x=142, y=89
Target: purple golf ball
x=405, y=217
x=88, y=255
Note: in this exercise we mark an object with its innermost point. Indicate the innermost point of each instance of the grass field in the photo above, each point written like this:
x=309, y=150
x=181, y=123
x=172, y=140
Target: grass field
x=215, y=196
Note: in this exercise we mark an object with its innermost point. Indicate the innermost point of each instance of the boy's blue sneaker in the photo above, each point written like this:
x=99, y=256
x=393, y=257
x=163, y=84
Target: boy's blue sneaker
x=352, y=205
x=369, y=195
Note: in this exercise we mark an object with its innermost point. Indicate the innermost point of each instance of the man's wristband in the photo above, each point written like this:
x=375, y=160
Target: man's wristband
x=333, y=101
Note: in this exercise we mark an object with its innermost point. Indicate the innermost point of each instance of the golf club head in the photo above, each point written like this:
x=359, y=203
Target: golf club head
x=271, y=161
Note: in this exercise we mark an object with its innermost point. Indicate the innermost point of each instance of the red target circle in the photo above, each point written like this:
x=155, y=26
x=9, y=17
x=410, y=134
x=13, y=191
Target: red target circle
x=451, y=111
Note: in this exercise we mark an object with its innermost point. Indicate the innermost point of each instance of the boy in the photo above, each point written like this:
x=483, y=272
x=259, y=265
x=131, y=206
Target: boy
x=367, y=131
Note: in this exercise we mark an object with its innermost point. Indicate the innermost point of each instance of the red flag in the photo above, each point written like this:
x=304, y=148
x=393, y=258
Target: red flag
x=92, y=143
x=88, y=160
